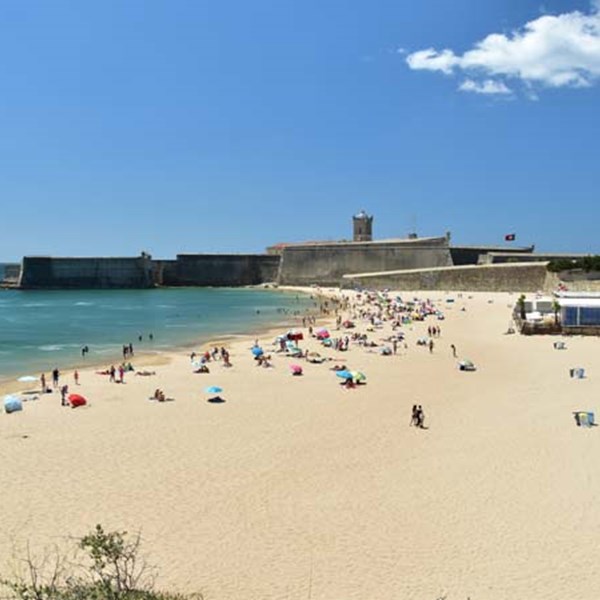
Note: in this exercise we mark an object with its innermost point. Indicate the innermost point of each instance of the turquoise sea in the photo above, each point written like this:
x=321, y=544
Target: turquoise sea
x=43, y=329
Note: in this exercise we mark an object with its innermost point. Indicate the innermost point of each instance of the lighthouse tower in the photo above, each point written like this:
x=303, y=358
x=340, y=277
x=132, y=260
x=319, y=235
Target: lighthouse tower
x=363, y=227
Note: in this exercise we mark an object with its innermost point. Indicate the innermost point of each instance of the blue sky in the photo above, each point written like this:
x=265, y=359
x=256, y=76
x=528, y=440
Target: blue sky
x=199, y=126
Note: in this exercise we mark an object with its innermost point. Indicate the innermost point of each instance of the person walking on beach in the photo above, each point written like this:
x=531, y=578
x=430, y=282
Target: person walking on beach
x=76, y=376
x=430, y=346
x=55, y=377
x=414, y=417
x=63, y=395
x=43, y=383
x=419, y=417
x=112, y=374
x=395, y=346
x=453, y=348
x=121, y=373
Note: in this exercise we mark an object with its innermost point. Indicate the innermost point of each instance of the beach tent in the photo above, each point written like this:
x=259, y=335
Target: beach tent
x=12, y=404
x=466, y=365
x=584, y=419
x=77, y=400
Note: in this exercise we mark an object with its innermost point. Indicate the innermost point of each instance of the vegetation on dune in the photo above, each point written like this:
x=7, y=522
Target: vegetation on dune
x=111, y=569
x=587, y=264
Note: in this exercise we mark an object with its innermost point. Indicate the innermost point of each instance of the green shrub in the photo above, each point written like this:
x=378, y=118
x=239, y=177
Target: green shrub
x=587, y=264
x=111, y=570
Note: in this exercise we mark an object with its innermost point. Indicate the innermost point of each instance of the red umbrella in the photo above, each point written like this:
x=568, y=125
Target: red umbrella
x=296, y=369
x=77, y=400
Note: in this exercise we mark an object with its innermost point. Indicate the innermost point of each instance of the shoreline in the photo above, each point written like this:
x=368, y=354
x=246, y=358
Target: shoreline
x=145, y=358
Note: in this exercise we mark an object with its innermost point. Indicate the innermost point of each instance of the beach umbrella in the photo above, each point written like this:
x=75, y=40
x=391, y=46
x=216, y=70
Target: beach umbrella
x=213, y=389
x=257, y=351
x=322, y=333
x=27, y=378
x=77, y=400
x=344, y=374
x=12, y=404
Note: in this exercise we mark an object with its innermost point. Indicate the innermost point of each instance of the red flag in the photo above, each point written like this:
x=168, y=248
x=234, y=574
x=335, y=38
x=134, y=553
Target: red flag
x=509, y=237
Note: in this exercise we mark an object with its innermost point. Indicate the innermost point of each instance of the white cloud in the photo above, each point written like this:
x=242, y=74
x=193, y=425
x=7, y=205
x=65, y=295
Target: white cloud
x=550, y=51
x=487, y=86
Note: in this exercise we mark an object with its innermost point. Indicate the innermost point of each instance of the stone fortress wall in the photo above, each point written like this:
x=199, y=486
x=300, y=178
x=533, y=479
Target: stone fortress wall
x=412, y=263
x=326, y=264
x=223, y=270
x=44, y=272
x=509, y=277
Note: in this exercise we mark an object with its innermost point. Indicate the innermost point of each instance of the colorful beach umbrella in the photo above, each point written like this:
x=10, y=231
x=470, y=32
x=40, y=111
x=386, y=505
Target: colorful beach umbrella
x=213, y=389
x=344, y=374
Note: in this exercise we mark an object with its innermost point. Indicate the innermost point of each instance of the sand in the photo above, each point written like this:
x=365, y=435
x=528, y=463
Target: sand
x=296, y=488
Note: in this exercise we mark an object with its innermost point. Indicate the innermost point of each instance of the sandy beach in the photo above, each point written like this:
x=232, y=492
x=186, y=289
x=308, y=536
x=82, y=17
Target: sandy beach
x=297, y=488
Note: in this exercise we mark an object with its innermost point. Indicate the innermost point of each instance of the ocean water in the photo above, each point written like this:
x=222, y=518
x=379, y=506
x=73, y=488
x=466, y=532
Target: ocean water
x=43, y=329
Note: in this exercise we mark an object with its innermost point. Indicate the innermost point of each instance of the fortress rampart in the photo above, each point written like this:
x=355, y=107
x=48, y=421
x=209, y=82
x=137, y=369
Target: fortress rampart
x=46, y=272
x=509, y=277
x=227, y=270
x=327, y=263
x=221, y=270
x=411, y=263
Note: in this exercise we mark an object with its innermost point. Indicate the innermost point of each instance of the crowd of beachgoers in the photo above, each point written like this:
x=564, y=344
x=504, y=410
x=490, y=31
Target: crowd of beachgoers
x=356, y=319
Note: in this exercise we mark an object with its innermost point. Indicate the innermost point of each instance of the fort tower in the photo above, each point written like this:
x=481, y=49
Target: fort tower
x=363, y=227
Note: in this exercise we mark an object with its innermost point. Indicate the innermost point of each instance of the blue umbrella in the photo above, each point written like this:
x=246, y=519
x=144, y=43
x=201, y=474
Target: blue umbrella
x=345, y=374
x=213, y=389
x=257, y=351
